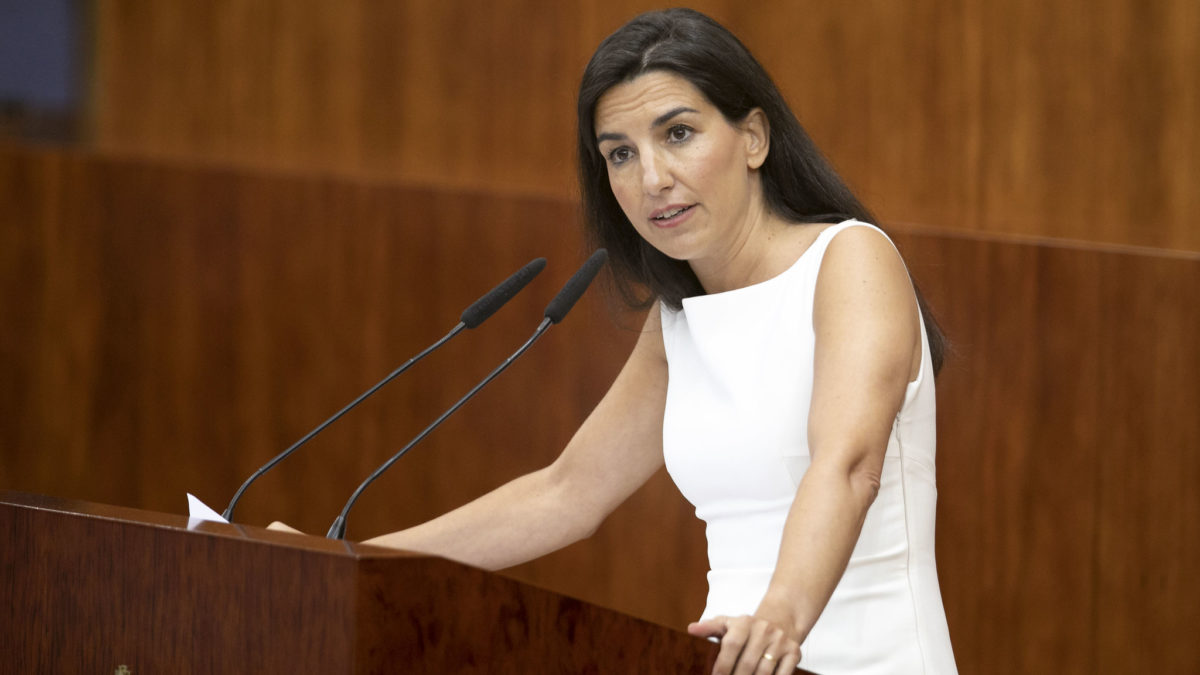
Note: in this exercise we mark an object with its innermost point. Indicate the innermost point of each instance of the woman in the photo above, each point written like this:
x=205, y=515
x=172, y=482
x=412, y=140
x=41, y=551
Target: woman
x=785, y=373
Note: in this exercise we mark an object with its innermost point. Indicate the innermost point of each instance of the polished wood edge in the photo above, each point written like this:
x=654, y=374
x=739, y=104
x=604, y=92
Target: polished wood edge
x=172, y=521
x=1029, y=240
x=134, y=158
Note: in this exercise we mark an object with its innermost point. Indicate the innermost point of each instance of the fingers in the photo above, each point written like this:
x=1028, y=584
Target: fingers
x=789, y=662
x=781, y=656
x=282, y=527
x=733, y=643
x=714, y=627
x=742, y=647
x=766, y=664
x=758, y=657
x=749, y=646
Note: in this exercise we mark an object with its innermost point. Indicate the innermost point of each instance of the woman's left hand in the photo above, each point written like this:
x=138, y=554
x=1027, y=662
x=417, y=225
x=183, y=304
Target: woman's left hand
x=758, y=644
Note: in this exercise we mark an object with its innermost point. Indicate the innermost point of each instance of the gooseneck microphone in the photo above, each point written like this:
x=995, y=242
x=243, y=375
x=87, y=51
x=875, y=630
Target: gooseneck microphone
x=555, y=312
x=477, y=313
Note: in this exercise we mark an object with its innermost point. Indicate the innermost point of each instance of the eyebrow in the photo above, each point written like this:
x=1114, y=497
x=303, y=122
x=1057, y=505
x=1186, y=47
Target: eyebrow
x=658, y=122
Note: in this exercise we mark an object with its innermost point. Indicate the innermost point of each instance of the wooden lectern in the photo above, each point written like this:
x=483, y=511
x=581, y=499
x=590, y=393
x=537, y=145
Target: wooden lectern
x=101, y=589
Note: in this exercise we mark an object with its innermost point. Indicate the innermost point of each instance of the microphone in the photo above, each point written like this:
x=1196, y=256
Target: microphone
x=555, y=312
x=472, y=316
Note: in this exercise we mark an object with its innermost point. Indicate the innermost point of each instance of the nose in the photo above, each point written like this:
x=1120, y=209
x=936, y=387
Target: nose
x=656, y=173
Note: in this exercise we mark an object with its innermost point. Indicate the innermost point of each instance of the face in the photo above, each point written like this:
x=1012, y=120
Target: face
x=684, y=176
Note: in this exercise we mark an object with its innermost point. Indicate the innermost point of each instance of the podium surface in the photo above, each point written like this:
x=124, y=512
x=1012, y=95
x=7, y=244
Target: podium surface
x=91, y=588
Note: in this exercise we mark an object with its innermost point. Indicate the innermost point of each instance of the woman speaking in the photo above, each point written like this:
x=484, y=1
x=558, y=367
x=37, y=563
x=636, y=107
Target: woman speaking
x=785, y=374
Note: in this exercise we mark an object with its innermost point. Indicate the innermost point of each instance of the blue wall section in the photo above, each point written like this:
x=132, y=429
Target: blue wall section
x=38, y=48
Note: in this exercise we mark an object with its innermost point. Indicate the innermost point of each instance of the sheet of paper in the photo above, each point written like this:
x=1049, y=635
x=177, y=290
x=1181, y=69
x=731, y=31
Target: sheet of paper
x=199, y=511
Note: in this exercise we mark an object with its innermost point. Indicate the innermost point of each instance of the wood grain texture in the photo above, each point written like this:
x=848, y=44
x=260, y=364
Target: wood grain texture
x=148, y=593
x=1067, y=438
x=442, y=93
x=174, y=326
x=1071, y=119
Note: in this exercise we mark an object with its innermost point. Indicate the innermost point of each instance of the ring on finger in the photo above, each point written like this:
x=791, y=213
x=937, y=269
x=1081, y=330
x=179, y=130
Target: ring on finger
x=768, y=656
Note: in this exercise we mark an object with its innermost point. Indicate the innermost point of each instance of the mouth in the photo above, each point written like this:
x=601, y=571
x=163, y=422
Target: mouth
x=670, y=215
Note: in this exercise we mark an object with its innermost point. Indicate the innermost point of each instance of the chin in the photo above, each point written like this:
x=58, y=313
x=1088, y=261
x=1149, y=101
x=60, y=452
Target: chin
x=675, y=248
x=672, y=252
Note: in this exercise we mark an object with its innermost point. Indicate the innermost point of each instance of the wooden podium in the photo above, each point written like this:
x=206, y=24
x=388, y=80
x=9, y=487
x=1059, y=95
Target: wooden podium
x=88, y=588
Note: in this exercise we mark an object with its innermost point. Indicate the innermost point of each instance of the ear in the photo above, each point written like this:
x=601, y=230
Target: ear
x=756, y=129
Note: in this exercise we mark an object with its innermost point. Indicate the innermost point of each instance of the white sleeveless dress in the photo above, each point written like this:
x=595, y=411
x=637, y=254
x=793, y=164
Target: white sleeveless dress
x=735, y=441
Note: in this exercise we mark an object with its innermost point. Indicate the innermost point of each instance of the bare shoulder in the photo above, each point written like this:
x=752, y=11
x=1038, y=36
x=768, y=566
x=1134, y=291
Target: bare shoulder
x=653, y=323
x=650, y=342
x=644, y=375
x=867, y=251
x=865, y=306
x=862, y=264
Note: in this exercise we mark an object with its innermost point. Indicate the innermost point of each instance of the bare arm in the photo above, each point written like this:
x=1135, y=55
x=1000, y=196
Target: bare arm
x=613, y=453
x=867, y=349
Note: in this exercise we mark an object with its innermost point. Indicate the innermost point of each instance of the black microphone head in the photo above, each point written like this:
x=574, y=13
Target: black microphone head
x=494, y=299
x=575, y=287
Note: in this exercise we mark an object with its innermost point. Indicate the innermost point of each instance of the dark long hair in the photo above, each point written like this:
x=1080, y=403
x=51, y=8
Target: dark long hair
x=799, y=184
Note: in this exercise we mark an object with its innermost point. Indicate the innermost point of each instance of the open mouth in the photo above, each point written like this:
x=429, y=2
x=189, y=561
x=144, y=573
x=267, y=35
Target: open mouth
x=669, y=214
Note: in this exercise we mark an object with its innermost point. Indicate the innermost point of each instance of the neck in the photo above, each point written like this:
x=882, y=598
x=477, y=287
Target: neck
x=752, y=255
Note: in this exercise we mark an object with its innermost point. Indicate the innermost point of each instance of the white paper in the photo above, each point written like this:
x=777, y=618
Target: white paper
x=199, y=511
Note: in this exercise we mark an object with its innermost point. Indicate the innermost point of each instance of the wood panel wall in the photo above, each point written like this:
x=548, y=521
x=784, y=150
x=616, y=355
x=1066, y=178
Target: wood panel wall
x=1067, y=119
x=167, y=328
x=284, y=200
x=1067, y=453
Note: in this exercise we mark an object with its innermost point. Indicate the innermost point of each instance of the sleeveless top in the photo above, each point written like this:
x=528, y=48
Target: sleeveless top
x=735, y=441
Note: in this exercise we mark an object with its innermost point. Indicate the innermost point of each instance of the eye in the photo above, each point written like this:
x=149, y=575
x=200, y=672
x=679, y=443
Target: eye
x=620, y=155
x=679, y=133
